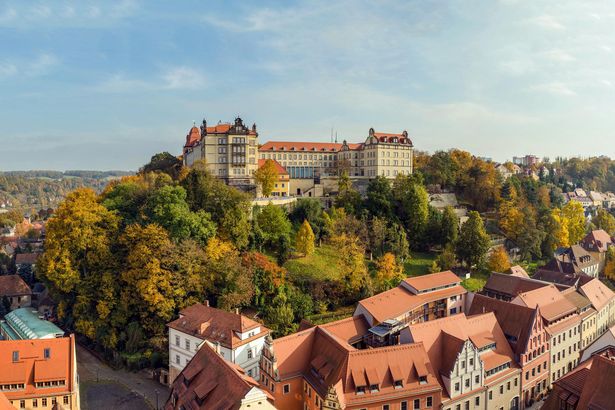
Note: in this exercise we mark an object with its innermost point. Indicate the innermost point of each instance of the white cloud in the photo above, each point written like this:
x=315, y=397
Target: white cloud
x=559, y=56
x=175, y=78
x=547, y=22
x=7, y=70
x=42, y=65
x=183, y=78
x=554, y=88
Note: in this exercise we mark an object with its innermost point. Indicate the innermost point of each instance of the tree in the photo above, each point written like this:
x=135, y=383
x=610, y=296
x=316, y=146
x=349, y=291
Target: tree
x=510, y=219
x=473, y=241
x=163, y=162
x=309, y=209
x=266, y=176
x=450, y=226
x=274, y=224
x=378, y=201
x=609, y=268
x=498, y=260
x=411, y=206
x=388, y=272
x=279, y=314
x=352, y=263
x=447, y=259
x=575, y=217
x=605, y=221
x=347, y=198
x=305, y=239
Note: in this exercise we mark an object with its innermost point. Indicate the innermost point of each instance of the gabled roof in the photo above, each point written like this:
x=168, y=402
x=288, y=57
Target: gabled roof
x=26, y=258
x=13, y=285
x=553, y=305
x=560, y=278
x=510, y=285
x=5, y=404
x=216, y=325
x=33, y=367
x=294, y=146
x=281, y=170
x=598, y=240
x=516, y=321
x=432, y=281
x=597, y=293
x=210, y=382
x=518, y=271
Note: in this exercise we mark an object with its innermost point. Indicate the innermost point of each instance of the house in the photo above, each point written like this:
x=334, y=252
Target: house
x=16, y=290
x=25, y=324
x=508, y=169
x=609, y=200
x=281, y=187
x=586, y=312
x=606, y=341
x=526, y=334
x=26, y=264
x=561, y=279
x=211, y=382
x=506, y=286
x=597, y=243
x=472, y=361
x=235, y=337
x=588, y=387
x=416, y=299
x=40, y=373
x=574, y=259
x=561, y=321
x=331, y=366
x=603, y=300
x=442, y=200
x=518, y=271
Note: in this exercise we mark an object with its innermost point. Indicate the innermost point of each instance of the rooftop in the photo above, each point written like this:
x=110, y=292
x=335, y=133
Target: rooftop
x=24, y=323
x=13, y=285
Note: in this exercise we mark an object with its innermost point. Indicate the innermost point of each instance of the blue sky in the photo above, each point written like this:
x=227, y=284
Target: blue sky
x=104, y=85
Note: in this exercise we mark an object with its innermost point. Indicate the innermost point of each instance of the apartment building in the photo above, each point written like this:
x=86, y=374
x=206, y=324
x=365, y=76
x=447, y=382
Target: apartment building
x=526, y=334
x=211, y=382
x=234, y=337
x=587, y=314
x=416, y=300
x=230, y=151
x=40, y=374
x=331, y=366
x=563, y=326
x=472, y=360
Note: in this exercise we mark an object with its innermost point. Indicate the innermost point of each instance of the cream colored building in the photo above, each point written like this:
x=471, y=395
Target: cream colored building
x=229, y=150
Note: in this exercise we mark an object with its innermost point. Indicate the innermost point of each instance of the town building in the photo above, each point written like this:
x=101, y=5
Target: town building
x=587, y=314
x=506, y=287
x=281, y=187
x=472, y=361
x=235, y=337
x=332, y=366
x=15, y=290
x=562, y=324
x=528, y=339
x=597, y=243
x=588, y=387
x=606, y=341
x=508, y=169
x=26, y=324
x=416, y=300
x=573, y=259
x=211, y=382
x=526, y=161
x=40, y=374
x=230, y=151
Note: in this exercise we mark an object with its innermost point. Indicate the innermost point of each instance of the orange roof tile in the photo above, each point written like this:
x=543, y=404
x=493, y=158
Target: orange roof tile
x=281, y=170
x=295, y=146
x=597, y=293
x=5, y=404
x=434, y=280
x=13, y=285
x=553, y=304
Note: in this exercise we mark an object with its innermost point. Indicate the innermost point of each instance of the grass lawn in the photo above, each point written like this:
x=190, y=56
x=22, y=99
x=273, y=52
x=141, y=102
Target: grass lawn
x=476, y=282
x=322, y=264
x=419, y=263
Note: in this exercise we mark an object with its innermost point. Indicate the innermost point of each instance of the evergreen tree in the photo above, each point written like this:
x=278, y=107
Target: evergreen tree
x=473, y=241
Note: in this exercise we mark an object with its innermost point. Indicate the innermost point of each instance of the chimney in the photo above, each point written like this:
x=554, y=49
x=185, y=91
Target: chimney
x=206, y=302
x=236, y=311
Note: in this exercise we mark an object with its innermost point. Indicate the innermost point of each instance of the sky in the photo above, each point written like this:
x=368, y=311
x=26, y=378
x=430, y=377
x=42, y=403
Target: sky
x=105, y=85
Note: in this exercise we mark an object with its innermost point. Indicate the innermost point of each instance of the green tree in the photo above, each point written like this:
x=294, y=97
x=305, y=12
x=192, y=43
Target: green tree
x=163, y=162
x=605, y=221
x=305, y=239
x=447, y=259
x=450, y=225
x=378, y=201
x=274, y=224
x=411, y=206
x=473, y=241
x=279, y=314
x=347, y=198
x=266, y=176
x=309, y=209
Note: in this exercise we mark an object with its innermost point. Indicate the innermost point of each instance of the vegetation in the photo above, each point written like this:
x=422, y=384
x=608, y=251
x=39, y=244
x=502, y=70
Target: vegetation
x=266, y=176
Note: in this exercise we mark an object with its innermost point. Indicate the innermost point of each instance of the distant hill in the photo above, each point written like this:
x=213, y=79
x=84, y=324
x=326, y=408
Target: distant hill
x=34, y=190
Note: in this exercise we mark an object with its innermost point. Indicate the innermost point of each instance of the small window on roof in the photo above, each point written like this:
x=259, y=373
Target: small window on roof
x=422, y=379
x=399, y=384
x=373, y=388
x=47, y=353
x=16, y=356
x=360, y=389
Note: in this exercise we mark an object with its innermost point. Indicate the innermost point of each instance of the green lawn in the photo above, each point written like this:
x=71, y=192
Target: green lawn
x=476, y=282
x=322, y=264
x=419, y=263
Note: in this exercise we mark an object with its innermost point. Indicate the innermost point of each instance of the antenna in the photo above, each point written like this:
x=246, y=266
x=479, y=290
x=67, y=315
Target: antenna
x=336, y=137
x=331, y=136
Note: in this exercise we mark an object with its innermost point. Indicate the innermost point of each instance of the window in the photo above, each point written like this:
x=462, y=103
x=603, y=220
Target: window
x=34, y=403
x=360, y=389
x=471, y=362
x=44, y=402
x=47, y=353
x=399, y=384
x=456, y=386
x=286, y=388
x=463, y=364
x=187, y=344
x=501, y=389
x=417, y=404
x=429, y=402
x=490, y=395
x=16, y=356
x=476, y=379
x=467, y=383
x=177, y=359
x=65, y=400
x=373, y=388
x=386, y=407
x=477, y=401
x=22, y=404
x=176, y=340
x=250, y=354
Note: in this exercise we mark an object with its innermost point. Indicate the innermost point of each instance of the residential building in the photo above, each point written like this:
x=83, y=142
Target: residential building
x=26, y=324
x=472, y=361
x=211, y=382
x=332, y=366
x=230, y=151
x=526, y=334
x=603, y=300
x=506, y=287
x=574, y=259
x=587, y=314
x=526, y=161
x=606, y=341
x=281, y=187
x=40, y=374
x=518, y=271
x=16, y=290
x=588, y=387
x=562, y=324
x=597, y=243
x=416, y=300
x=235, y=337
x=508, y=169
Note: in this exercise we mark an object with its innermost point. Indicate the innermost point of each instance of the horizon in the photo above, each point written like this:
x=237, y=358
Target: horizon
x=94, y=85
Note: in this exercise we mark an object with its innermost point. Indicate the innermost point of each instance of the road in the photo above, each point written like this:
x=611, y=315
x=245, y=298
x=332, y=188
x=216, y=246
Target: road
x=117, y=389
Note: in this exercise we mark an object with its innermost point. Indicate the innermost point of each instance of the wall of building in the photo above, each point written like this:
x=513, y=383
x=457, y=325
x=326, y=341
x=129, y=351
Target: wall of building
x=501, y=394
x=565, y=352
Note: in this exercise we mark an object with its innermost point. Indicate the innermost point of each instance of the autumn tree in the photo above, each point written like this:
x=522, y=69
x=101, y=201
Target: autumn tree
x=411, y=206
x=353, y=270
x=304, y=241
x=473, y=241
x=388, y=272
x=609, y=268
x=575, y=218
x=605, y=221
x=498, y=260
x=266, y=176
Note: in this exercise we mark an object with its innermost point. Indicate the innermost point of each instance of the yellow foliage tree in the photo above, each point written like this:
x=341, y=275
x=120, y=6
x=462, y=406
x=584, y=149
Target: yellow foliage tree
x=498, y=260
x=388, y=272
x=305, y=239
x=609, y=268
x=266, y=176
x=352, y=261
x=575, y=216
x=510, y=219
x=561, y=235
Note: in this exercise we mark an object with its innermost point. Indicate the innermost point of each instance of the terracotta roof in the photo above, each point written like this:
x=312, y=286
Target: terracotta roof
x=194, y=136
x=553, y=305
x=32, y=365
x=576, y=298
x=26, y=258
x=597, y=293
x=434, y=280
x=518, y=271
x=350, y=329
x=294, y=146
x=281, y=170
x=216, y=325
x=560, y=278
x=13, y=285
x=598, y=240
x=210, y=382
x=5, y=404
x=570, y=260
x=516, y=321
x=510, y=285
x=440, y=338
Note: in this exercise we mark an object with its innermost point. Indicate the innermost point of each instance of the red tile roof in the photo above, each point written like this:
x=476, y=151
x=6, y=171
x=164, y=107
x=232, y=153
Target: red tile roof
x=597, y=293
x=5, y=404
x=216, y=325
x=553, y=305
x=294, y=146
x=13, y=285
x=434, y=280
x=32, y=365
x=26, y=258
x=194, y=136
x=281, y=170
x=597, y=240
x=210, y=382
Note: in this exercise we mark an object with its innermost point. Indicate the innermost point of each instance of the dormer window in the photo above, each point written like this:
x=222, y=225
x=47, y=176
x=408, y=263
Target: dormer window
x=398, y=384
x=422, y=379
x=360, y=389
x=373, y=388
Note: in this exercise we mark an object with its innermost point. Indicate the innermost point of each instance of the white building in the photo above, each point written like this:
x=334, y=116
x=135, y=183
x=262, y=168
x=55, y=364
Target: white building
x=236, y=338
